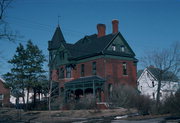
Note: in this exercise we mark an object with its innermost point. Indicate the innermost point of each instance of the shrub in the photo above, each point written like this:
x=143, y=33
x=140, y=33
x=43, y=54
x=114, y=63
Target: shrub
x=123, y=96
x=129, y=97
x=172, y=104
x=143, y=104
x=86, y=102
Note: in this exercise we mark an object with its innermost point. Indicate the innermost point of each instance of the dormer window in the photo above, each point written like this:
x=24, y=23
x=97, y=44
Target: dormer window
x=113, y=47
x=122, y=49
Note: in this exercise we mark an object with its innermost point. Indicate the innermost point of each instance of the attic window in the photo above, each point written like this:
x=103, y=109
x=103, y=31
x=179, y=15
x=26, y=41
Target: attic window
x=122, y=48
x=113, y=47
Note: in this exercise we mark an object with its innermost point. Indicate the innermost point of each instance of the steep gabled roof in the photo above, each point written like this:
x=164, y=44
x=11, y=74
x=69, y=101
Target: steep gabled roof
x=89, y=46
x=167, y=76
x=125, y=42
x=139, y=73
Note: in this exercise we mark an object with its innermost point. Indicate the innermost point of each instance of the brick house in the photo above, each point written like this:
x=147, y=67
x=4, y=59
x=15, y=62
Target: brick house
x=93, y=64
x=4, y=94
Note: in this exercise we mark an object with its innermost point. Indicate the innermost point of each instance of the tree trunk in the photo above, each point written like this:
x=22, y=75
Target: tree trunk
x=34, y=97
x=49, y=101
x=23, y=98
x=39, y=94
x=158, y=95
x=27, y=99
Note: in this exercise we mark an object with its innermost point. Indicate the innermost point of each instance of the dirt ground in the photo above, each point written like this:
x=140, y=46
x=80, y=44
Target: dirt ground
x=61, y=116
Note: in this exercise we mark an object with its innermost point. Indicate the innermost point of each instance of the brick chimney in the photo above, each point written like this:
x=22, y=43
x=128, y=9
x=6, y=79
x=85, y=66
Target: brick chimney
x=115, y=26
x=101, y=28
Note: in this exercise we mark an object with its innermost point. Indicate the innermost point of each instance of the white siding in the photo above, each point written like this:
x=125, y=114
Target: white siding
x=145, y=86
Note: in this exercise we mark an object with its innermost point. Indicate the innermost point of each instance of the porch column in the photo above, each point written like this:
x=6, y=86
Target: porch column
x=93, y=89
x=83, y=90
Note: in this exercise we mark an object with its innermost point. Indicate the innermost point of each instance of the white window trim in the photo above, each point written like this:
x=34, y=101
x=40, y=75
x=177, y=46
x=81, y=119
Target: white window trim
x=1, y=96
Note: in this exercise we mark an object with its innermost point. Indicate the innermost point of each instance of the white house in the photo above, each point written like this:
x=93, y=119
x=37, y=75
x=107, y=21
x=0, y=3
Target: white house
x=147, y=84
x=31, y=94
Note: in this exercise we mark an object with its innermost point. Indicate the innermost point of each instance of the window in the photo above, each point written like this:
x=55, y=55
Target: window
x=50, y=56
x=61, y=73
x=124, y=68
x=153, y=95
x=110, y=89
x=113, y=47
x=57, y=72
x=122, y=49
x=94, y=68
x=68, y=72
x=82, y=69
x=1, y=96
x=61, y=55
x=152, y=83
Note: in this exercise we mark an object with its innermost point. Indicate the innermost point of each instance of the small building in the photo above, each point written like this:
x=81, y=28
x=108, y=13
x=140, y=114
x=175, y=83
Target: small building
x=148, y=83
x=93, y=64
x=4, y=94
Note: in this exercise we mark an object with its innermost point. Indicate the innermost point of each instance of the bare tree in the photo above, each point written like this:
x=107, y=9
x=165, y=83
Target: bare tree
x=5, y=32
x=167, y=65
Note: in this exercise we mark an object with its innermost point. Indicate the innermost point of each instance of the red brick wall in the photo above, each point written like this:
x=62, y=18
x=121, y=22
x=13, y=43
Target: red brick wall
x=114, y=72
x=88, y=68
x=110, y=69
x=6, y=93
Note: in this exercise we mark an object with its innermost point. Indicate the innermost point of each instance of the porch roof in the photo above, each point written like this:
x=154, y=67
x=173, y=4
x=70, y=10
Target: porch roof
x=85, y=82
x=85, y=79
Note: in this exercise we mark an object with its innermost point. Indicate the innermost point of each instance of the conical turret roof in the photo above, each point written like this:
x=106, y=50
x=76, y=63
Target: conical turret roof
x=57, y=39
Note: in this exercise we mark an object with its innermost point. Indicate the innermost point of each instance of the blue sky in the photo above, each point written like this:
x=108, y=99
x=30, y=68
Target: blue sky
x=145, y=24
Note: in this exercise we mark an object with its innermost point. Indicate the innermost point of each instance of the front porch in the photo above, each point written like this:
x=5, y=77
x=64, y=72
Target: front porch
x=83, y=86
